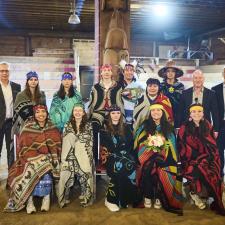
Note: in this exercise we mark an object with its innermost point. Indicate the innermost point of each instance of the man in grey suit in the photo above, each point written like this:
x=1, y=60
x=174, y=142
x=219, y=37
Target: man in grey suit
x=220, y=95
x=8, y=92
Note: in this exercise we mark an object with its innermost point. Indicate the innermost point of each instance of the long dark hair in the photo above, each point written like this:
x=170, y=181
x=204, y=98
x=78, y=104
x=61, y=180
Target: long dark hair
x=115, y=130
x=37, y=93
x=61, y=92
x=82, y=124
x=204, y=128
x=47, y=118
x=165, y=127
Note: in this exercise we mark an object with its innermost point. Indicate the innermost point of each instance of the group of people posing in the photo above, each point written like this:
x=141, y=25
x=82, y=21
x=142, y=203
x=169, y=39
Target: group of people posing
x=151, y=142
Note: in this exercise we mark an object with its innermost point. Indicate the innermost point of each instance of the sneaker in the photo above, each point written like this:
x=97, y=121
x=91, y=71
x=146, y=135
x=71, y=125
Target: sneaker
x=30, y=206
x=157, y=204
x=112, y=207
x=45, y=203
x=198, y=201
x=147, y=203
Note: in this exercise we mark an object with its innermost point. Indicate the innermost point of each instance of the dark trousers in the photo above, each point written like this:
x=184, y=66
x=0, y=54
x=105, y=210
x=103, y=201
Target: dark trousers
x=6, y=131
x=221, y=145
x=96, y=129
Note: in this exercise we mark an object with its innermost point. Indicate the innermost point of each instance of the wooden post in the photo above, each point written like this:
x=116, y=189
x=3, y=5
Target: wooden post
x=112, y=33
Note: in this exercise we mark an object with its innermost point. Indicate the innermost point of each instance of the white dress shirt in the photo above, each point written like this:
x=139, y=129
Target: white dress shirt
x=7, y=93
x=199, y=96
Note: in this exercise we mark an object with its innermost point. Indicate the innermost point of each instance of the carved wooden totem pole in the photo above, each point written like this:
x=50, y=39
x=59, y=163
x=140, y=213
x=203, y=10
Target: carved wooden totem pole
x=114, y=32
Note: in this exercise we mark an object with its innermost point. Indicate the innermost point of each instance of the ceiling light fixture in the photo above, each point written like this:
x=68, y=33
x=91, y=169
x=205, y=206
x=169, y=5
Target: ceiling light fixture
x=73, y=19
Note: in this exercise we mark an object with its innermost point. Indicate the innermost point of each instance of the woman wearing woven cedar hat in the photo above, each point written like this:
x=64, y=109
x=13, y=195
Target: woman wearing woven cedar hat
x=200, y=159
x=118, y=156
x=77, y=158
x=157, y=175
x=63, y=101
x=23, y=107
x=151, y=95
x=36, y=168
x=170, y=86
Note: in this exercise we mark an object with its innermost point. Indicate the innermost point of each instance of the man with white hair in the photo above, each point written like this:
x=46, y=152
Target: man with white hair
x=199, y=94
x=220, y=95
x=8, y=92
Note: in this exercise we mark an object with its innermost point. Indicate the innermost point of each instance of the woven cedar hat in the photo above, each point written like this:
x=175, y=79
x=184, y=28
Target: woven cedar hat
x=170, y=64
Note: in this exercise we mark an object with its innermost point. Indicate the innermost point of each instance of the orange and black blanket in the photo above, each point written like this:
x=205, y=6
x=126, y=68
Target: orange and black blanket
x=39, y=153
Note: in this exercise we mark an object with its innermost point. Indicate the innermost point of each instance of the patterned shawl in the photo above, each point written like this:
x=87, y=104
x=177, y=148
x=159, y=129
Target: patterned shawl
x=201, y=164
x=39, y=153
x=162, y=165
x=141, y=110
x=23, y=109
x=100, y=100
x=61, y=109
x=77, y=160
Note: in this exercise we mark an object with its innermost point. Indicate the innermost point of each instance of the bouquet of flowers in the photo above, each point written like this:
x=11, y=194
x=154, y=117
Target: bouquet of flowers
x=155, y=142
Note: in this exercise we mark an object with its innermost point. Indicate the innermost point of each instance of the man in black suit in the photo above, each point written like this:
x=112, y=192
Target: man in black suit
x=8, y=92
x=220, y=95
x=206, y=97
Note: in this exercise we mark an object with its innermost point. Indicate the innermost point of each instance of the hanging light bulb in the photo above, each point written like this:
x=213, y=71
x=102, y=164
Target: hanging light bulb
x=73, y=19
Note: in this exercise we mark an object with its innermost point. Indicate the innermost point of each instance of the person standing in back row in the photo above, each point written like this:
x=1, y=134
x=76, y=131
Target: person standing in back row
x=220, y=95
x=202, y=95
x=8, y=92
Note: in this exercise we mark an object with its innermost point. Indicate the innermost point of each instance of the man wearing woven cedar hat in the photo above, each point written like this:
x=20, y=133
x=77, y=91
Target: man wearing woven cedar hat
x=170, y=86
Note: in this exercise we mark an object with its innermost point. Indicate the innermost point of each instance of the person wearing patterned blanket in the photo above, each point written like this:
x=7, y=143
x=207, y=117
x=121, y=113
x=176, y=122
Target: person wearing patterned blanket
x=37, y=164
x=157, y=175
x=63, y=101
x=25, y=100
x=104, y=94
x=77, y=158
x=132, y=90
x=116, y=154
x=200, y=160
x=151, y=96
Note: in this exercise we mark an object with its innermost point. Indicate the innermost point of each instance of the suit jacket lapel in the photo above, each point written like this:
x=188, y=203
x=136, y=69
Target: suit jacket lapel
x=1, y=95
x=190, y=96
x=205, y=97
x=14, y=91
x=221, y=97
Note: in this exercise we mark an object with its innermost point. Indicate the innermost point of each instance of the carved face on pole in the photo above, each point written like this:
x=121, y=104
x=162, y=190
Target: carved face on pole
x=114, y=4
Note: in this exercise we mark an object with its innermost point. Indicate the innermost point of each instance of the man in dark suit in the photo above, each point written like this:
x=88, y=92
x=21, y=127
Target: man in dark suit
x=8, y=92
x=220, y=95
x=206, y=97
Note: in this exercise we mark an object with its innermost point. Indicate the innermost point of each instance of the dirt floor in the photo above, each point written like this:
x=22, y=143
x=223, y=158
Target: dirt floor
x=98, y=214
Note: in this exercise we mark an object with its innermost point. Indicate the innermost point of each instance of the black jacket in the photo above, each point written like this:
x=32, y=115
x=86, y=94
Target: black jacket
x=209, y=103
x=220, y=101
x=16, y=88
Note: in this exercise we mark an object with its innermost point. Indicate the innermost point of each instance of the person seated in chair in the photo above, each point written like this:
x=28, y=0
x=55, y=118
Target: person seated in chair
x=200, y=159
x=36, y=168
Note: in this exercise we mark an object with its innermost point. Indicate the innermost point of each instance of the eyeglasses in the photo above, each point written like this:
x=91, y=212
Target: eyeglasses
x=4, y=71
